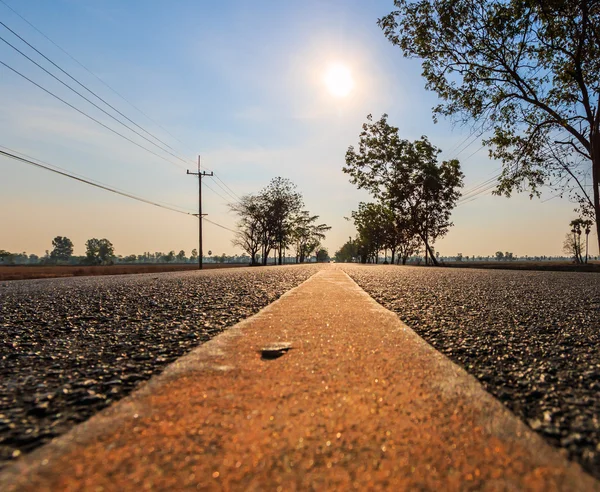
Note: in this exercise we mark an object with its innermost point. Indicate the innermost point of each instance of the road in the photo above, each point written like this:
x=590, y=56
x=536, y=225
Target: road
x=71, y=347
x=531, y=338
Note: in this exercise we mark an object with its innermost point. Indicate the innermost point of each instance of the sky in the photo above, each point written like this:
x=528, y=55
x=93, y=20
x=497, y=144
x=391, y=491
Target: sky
x=243, y=85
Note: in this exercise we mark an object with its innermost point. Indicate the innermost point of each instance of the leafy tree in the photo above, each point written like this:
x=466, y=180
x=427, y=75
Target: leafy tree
x=130, y=259
x=62, y=249
x=194, y=255
x=306, y=235
x=373, y=224
x=33, y=258
x=6, y=258
x=347, y=253
x=252, y=226
x=577, y=226
x=267, y=220
x=284, y=203
x=499, y=255
x=322, y=255
x=572, y=246
x=170, y=256
x=181, y=256
x=99, y=251
x=525, y=70
x=406, y=177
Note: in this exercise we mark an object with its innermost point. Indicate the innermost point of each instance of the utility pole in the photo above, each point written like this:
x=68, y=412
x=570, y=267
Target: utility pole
x=199, y=174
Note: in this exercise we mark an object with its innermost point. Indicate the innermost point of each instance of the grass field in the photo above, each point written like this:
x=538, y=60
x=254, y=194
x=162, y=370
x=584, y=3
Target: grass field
x=24, y=272
x=561, y=266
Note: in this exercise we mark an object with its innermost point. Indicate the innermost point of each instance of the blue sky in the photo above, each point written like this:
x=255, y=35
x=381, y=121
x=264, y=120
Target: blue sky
x=241, y=84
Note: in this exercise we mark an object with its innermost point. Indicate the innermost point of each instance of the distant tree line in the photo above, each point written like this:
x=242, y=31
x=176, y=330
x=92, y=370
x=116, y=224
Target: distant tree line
x=273, y=221
x=414, y=195
x=97, y=252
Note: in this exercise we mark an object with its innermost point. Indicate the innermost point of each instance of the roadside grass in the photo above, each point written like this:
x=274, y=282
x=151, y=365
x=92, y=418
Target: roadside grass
x=560, y=266
x=26, y=272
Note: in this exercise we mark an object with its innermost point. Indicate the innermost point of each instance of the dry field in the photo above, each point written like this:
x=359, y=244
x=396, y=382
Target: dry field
x=24, y=272
x=555, y=266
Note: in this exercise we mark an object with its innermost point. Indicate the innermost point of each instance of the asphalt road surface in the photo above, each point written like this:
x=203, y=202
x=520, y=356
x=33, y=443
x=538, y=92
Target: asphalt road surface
x=531, y=338
x=70, y=347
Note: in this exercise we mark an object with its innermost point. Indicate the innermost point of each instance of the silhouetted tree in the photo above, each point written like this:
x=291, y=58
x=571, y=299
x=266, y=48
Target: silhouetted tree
x=407, y=177
x=99, y=251
x=526, y=70
x=62, y=249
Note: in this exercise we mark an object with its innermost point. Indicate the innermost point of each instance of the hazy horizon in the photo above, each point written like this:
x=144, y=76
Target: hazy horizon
x=244, y=86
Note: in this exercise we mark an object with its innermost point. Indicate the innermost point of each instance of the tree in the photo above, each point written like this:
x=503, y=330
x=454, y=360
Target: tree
x=284, y=203
x=6, y=258
x=63, y=249
x=252, y=227
x=169, y=257
x=406, y=177
x=99, y=251
x=347, y=253
x=181, y=256
x=322, y=255
x=499, y=255
x=194, y=255
x=526, y=70
x=572, y=246
x=306, y=236
x=267, y=219
x=372, y=224
x=576, y=229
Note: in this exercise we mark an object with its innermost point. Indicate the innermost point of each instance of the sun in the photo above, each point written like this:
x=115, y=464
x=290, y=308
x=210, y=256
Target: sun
x=338, y=80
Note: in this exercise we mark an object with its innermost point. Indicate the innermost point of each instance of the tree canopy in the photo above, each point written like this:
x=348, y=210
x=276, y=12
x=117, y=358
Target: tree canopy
x=274, y=219
x=526, y=71
x=62, y=248
x=407, y=179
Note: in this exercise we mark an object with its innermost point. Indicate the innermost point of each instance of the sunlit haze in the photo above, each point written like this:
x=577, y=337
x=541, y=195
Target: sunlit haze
x=339, y=80
x=257, y=89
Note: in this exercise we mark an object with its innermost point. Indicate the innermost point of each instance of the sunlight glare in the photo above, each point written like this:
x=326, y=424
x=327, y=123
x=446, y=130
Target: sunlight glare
x=338, y=80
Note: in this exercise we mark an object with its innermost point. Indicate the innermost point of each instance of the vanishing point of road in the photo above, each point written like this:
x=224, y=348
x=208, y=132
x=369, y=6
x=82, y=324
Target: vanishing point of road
x=344, y=394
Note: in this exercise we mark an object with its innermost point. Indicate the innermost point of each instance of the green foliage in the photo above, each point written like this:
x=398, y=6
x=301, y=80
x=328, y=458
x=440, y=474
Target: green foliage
x=322, y=255
x=62, y=249
x=274, y=219
x=99, y=252
x=306, y=235
x=348, y=253
x=525, y=70
x=407, y=179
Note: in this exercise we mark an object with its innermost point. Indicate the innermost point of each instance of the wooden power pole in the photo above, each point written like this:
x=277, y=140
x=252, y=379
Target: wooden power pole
x=199, y=174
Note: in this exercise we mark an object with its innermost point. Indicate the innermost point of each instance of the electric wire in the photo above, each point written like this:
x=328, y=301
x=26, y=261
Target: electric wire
x=81, y=84
x=96, y=184
x=89, y=182
x=87, y=115
x=89, y=101
x=230, y=192
x=90, y=72
x=218, y=225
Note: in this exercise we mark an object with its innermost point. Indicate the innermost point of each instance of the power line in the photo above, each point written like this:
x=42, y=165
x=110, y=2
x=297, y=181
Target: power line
x=82, y=85
x=88, y=100
x=90, y=182
x=62, y=172
x=215, y=192
x=87, y=115
x=225, y=187
x=234, y=193
x=218, y=225
x=89, y=71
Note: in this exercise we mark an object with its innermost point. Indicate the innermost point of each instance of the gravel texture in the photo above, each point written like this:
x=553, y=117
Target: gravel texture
x=531, y=338
x=70, y=347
